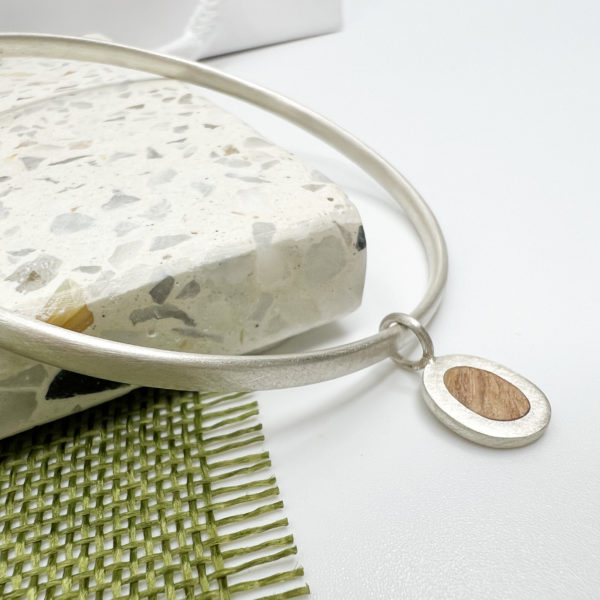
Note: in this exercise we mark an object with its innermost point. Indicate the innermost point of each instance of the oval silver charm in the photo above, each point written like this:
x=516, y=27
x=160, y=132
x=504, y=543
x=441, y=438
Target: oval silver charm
x=485, y=402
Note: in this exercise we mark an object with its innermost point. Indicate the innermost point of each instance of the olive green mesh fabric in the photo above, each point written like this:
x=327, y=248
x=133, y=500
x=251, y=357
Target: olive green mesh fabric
x=156, y=495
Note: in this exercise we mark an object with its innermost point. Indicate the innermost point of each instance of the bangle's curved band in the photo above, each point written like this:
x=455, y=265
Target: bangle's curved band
x=142, y=366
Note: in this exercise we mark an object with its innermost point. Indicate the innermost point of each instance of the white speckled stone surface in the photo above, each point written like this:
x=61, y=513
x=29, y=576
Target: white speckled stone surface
x=134, y=209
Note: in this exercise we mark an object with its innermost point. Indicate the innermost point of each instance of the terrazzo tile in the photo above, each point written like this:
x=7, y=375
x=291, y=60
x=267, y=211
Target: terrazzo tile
x=132, y=208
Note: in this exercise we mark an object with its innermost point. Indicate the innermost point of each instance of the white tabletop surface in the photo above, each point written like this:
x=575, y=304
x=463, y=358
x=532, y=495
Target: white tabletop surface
x=492, y=111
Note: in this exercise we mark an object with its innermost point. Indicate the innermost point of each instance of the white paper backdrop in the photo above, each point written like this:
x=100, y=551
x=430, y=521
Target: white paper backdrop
x=491, y=110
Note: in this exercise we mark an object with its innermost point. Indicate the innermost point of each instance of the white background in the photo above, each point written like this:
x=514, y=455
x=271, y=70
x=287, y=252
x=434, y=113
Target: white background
x=492, y=109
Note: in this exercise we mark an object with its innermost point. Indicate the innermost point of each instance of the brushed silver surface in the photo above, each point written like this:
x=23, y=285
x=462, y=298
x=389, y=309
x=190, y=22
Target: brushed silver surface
x=138, y=365
x=410, y=323
x=469, y=424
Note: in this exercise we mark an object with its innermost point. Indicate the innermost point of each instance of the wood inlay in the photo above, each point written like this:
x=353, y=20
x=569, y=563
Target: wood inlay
x=486, y=393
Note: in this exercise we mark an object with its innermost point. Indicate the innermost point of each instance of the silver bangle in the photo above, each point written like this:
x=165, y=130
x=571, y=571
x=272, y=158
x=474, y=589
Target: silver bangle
x=138, y=365
x=477, y=398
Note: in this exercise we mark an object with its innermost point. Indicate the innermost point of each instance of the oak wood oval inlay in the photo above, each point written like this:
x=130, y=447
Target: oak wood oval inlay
x=486, y=393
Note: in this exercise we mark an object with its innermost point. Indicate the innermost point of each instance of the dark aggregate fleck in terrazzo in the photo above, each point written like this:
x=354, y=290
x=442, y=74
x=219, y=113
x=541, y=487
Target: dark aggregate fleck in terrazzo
x=361, y=240
x=190, y=290
x=70, y=223
x=162, y=311
x=68, y=160
x=27, y=378
x=194, y=333
x=125, y=227
x=263, y=232
x=21, y=404
x=31, y=162
x=160, y=292
x=163, y=176
x=23, y=252
x=67, y=384
x=118, y=199
x=167, y=241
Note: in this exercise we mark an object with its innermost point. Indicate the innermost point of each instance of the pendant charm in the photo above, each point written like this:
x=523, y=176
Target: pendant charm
x=485, y=402
x=476, y=398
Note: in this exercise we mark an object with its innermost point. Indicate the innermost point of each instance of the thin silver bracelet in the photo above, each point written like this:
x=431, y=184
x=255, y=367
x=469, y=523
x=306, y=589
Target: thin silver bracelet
x=144, y=366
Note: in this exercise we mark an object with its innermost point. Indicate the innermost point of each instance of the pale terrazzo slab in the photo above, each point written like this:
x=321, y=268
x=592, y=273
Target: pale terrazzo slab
x=134, y=209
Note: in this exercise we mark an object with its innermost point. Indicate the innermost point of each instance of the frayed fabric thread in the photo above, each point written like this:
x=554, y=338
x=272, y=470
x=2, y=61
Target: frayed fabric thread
x=159, y=494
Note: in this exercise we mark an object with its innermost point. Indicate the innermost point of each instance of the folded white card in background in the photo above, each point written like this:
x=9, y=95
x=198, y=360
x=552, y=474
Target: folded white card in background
x=189, y=28
x=221, y=26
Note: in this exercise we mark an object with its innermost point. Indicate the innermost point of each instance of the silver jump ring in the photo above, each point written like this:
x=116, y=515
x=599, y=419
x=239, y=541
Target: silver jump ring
x=421, y=334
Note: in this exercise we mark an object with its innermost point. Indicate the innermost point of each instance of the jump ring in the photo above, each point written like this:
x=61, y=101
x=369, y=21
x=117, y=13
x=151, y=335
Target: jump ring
x=421, y=334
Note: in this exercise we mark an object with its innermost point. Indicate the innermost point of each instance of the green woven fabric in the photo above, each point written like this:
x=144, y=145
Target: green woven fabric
x=156, y=495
